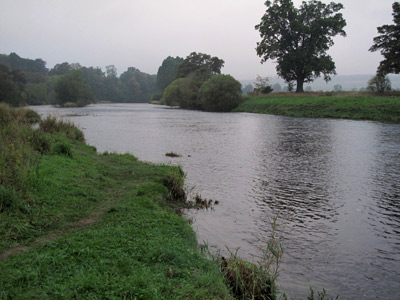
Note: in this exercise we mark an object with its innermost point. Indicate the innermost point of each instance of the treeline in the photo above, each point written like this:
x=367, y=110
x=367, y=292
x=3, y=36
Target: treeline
x=26, y=81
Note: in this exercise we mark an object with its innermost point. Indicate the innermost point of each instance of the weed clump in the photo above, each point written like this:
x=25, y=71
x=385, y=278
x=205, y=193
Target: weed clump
x=51, y=125
x=62, y=148
x=255, y=281
x=175, y=188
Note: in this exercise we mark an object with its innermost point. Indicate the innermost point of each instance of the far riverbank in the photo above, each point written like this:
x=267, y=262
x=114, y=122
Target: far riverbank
x=354, y=106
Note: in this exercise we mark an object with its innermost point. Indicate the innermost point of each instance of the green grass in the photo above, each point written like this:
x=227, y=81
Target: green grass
x=127, y=254
x=355, y=106
x=135, y=245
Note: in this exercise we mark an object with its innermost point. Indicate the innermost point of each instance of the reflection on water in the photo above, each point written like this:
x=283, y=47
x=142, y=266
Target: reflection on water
x=333, y=184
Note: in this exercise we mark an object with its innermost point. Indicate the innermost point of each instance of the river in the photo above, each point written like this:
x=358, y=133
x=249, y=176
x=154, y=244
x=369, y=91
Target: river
x=334, y=186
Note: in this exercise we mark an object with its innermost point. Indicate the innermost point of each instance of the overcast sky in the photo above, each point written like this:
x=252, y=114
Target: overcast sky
x=142, y=33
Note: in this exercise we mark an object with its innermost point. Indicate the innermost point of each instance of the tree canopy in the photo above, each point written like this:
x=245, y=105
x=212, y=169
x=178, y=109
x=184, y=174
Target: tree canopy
x=167, y=71
x=388, y=42
x=220, y=93
x=12, y=84
x=72, y=88
x=299, y=38
x=199, y=62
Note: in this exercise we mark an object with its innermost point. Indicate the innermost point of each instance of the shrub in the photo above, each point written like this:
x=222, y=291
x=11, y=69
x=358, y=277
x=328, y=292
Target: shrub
x=220, y=93
x=40, y=141
x=52, y=125
x=28, y=115
x=62, y=147
x=174, y=93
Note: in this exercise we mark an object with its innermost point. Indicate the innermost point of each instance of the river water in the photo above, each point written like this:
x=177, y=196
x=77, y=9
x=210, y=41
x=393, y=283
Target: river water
x=334, y=186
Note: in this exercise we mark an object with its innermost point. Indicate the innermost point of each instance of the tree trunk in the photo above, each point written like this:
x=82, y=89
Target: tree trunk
x=299, y=85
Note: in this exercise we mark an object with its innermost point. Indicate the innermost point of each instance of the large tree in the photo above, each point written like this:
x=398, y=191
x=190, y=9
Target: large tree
x=388, y=41
x=167, y=71
x=199, y=62
x=72, y=88
x=299, y=38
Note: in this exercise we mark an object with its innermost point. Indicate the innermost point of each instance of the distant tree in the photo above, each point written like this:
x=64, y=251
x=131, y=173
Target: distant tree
x=308, y=89
x=95, y=77
x=72, y=88
x=167, y=71
x=337, y=88
x=248, y=88
x=175, y=94
x=298, y=39
x=138, y=86
x=277, y=88
x=37, y=93
x=60, y=69
x=379, y=84
x=388, y=42
x=262, y=85
x=111, y=71
x=220, y=93
x=196, y=61
x=9, y=90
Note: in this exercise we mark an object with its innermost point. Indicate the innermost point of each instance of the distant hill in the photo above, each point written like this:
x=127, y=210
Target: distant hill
x=348, y=82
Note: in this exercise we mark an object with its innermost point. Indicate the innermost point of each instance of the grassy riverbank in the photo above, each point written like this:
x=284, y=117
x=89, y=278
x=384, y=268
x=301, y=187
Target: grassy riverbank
x=92, y=226
x=346, y=105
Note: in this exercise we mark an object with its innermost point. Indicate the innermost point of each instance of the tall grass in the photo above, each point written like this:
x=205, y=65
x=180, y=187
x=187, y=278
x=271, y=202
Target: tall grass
x=18, y=158
x=255, y=281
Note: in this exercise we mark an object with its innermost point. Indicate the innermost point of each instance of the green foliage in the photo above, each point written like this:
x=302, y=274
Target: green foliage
x=71, y=87
x=62, y=147
x=15, y=62
x=379, y=84
x=174, y=93
x=37, y=93
x=60, y=69
x=196, y=61
x=220, y=93
x=43, y=86
x=196, y=71
x=167, y=71
x=12, y=85
x=137, y=86
x=299, y=38
x=52, y=125
x=18, y=158
x=262, y=85
x=388, y=42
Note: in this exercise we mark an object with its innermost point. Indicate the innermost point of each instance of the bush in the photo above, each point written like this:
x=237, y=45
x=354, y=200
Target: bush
x=28, y=115
x=62, y=147
x=52, y=125
x=220, y=93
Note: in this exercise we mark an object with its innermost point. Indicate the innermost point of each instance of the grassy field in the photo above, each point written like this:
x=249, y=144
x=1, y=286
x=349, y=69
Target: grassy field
x=355, y=106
